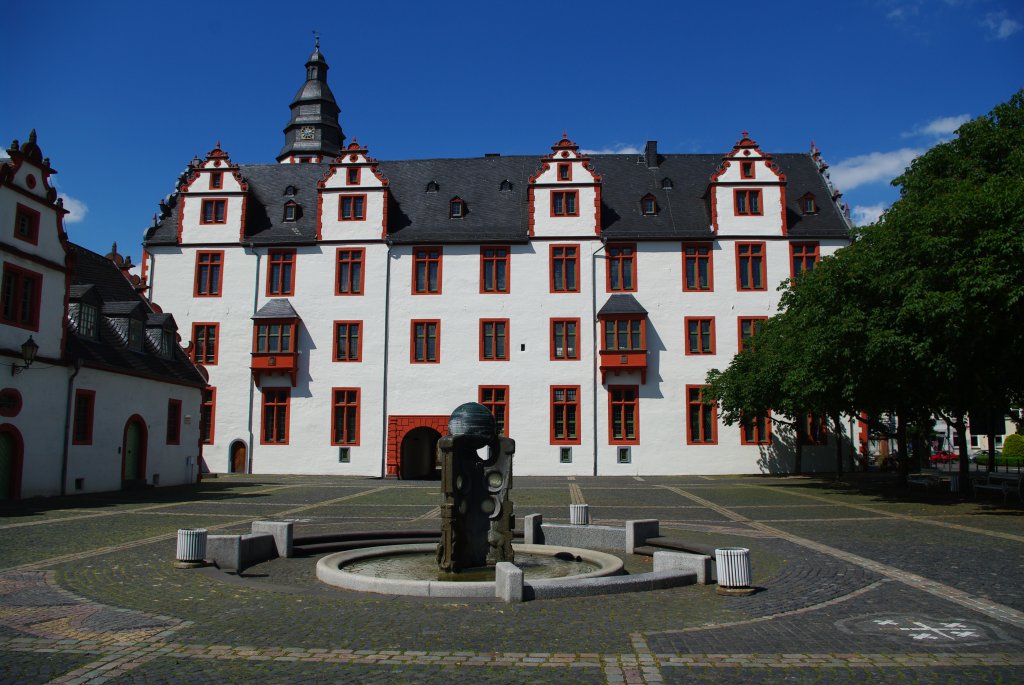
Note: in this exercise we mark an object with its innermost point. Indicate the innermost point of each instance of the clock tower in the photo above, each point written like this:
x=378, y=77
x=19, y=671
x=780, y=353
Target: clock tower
x=313, y=134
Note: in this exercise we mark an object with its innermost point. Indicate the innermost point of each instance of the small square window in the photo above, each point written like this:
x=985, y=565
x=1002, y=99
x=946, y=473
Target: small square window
x=624, y=455
x=565, y=455
x=456, y=208
x=26, y=224
x=289, y=212
x=344, y=455
x=746, y=169
x=353, y=176
x=216, y=180
x=564, y=172
x=79, y=484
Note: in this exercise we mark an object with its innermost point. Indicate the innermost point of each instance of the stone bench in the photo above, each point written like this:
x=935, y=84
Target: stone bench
x=268, y=540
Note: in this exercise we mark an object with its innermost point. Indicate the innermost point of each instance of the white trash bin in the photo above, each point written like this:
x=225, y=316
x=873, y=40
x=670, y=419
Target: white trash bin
x=191, y=550
x=579, y=514
x=733, y=570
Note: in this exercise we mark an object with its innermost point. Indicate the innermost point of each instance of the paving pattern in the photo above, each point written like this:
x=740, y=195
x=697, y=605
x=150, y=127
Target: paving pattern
x=858, y=583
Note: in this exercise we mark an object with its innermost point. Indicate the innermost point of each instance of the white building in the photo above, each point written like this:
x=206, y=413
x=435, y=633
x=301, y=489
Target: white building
x=343, y=307
x=109, y=399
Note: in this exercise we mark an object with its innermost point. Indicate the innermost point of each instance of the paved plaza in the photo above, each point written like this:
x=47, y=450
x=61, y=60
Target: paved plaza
x=857, y=583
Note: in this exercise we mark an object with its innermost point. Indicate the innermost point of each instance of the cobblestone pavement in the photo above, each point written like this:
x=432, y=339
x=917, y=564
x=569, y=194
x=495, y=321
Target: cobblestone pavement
x=857, y=583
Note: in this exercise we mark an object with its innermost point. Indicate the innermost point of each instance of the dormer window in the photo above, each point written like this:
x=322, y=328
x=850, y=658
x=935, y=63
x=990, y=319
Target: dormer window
x=746, y=170
x=666, y=183
x=808, y=204
x=648, y=205
x=456, y=208
x=291, y=211
x=216, y=180
x=87, y=317
x=214, y=212
x=135, y=331
x=167, y=342
x=353, y=176
x=290, y=190
x=564, y=172
x=432, y=187
x=505, y=185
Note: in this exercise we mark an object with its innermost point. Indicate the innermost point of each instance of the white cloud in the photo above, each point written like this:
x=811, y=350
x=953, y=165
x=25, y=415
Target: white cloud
x=618, y=149
x=871, y=168
x=942, y=128
x=867, y=214
x=1000, y=26
x=76, y=208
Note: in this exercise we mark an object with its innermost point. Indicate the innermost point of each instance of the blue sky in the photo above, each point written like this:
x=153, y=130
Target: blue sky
x=124, y=94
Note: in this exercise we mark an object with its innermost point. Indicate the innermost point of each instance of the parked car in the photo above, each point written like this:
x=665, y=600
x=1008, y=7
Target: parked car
x=943, y=457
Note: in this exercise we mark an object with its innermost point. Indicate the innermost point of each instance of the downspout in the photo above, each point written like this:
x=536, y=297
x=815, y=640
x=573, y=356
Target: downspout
x=596, y=337
x=67, y=431
x=151, y=271
x=252, y=383
x=387, y=322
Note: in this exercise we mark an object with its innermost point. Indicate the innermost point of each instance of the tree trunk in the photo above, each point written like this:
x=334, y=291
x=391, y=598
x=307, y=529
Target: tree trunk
x=839, y=445
x=902, y=460
x=965, y=466
x=800, y=428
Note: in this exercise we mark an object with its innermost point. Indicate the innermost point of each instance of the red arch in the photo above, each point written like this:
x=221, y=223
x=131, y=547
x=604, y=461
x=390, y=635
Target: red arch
x=145, y=444
x=399, y=426
x=19, y=458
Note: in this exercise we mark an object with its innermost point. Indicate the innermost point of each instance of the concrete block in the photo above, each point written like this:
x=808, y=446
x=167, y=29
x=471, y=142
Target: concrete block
x=700, y=564
x=256, y=549
x=533, y=534
x=224, y=551
x=637, y=533
x=508, y=582
x=283, y=534
x=588, y=537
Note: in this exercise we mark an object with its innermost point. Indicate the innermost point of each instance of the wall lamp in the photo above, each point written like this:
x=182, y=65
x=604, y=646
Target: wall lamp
x=29, y=349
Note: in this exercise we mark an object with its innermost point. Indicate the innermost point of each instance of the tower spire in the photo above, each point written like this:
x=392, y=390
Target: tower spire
x=313, y=133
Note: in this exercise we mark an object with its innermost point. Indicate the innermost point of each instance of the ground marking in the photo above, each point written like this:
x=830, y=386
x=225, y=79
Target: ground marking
x=575, y=494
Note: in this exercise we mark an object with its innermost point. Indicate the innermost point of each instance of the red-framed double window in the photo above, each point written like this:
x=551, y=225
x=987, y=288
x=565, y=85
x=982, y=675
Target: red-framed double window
x=623, y=334
x=214, y=212
x=276, y=402
x=20, y=297
x=747, y=202
x=621, y=268
x=751, y=272
x=173, y=422
x=495, y=269
x=426, y=270
x=700, y=334
x=565, y=339
x=209, y=273
x=624, y=414
x=697, y=267
x=348, y=341
x=348, y=275
x=803, y=257
x=565, y=203
x=756, y=430
x=280, y=273
x=494, y=339
x=345, y=416
x=564, y=263
x=207, y=415
x=82, y=422
x=425, y=341
x=747, y=327
x=26, y=224
x=495, y=398
x=205, y=343
x=701, y=419
x=565, y=415
x=352, y=208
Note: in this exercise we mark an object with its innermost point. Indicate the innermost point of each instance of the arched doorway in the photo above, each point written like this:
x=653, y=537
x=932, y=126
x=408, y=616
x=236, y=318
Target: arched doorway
x=11, y=453
x=133, y=451
x=239, y=454
x=419, y=454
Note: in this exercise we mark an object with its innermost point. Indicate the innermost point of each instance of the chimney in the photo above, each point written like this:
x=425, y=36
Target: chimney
x=651, y=154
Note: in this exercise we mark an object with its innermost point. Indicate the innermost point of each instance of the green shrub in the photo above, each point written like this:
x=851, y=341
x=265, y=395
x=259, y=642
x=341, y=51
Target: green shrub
x=1013, y=446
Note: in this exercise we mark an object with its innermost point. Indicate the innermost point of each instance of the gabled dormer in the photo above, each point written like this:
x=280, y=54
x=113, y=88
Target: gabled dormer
x=162, y=333
x=747, y=195
x=32, y=214
x=128, y=321
x=275, y=341
x=353, y=201
x=84, y=306
x=565, y=194
x=212, y=198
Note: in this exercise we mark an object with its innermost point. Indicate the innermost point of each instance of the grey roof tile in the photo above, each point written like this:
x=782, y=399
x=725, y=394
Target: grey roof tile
x=278, y=308
x=621, y=303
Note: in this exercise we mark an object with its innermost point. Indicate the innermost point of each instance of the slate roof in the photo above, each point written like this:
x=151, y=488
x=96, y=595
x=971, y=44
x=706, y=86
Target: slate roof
x=108, y=351
x=621, y=303
x=277, y=308
x=495, y=215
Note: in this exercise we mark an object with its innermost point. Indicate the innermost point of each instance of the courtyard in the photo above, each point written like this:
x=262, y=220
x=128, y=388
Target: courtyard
x=857, y=582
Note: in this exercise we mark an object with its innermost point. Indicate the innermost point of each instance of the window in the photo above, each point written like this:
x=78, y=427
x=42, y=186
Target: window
x=349, y=275
x=273, y=337
x=345, y=417
x=495, y=398
x=748, y=202
x=565, y=338
x=135, y=333
x=564, y=172
x=291, y=211
x=808, y=204
x=347, y=341
x=750, y=266
x=214, y=212
x=216, y=180
x=815, y=430
x=167, y=343
x=494, y=339
x=648, y=205
x=621, y=268
x=204, y=343
x=275, y=416
x=426, y=342
x=352, y=208
x=700, y=335
x=697, y=273
x=746, y=170
x=702, y=419
x=623, y=414
x=565, y=455
x=802, y=258
x=173, y=422
x=207, y=414
x=563, y=203
x=494, y=269
x=87, y=319
x=85, y=407
x=26, y=224
x=352, y=176
x=19, y=297
x=565, y=266
x=208, y=273
x=623, y=334
x=755, y=430
x=749, y=326
x=456, y=208
x=565, y=411
x=426, y=270
x=623, y=455
x=281, y=273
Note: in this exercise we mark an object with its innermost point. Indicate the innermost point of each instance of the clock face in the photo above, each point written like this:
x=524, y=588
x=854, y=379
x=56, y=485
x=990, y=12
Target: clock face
x=306, y=133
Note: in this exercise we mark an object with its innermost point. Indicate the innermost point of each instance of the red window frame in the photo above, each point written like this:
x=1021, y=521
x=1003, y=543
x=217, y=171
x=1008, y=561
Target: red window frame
x=815, y=430
x=205, y=343
x=696, y=256
x=209, y=273
x=207, y=415
x=456, y=208
x=21, y=295
x=280, y=273
x=565, y=413
x=494, y=340
x=751, y=264
x=31, y=220
x=353, y=175
x=431, y=328
x=495, y=398
x=492, y=259
x=648, y=205
x=352, y=207
x=564, y=256
x=568, y=353
x=747, y=202
x=803, y=257
x=82, y=421
x=428, y=259
x=173, y=422
x=747, y=169
x=345, y=418
x=698, y=416
x=620, y=268
x=623, y=412
x=216, y=180
x=565, y=203
x=349, y=271
x=274, y=416
x=269, y=330
x=700, y=335
x=756, y=430
x=213, y=211
x=633, y=328
x=564, y=171
x=353, y=337
x=748, y=323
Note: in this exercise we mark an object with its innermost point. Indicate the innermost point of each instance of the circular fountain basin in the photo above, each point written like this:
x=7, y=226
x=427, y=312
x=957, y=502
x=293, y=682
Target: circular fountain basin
x=412, y=570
